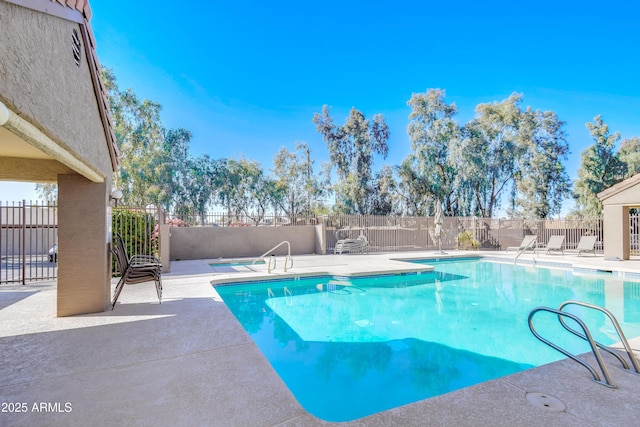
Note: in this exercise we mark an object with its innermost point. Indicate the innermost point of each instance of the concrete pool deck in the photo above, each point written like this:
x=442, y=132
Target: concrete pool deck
x=189, y=362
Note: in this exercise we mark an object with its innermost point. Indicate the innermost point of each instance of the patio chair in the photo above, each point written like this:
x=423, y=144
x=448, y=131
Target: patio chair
x=137, y=269
x=554, y=244
x=529, y=242
x=585, y=245
x=361, y=244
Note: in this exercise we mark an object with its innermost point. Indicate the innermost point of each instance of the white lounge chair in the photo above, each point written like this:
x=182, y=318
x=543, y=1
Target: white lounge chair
x=361, y=244
x=554, y=244
x=529, y=242
x=585, y=245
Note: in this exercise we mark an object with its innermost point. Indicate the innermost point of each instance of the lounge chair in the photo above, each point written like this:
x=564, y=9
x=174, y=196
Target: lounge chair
x=529, y=242
x=586, y=244
x=361, y=244
x=137, y=269
x=554, y=244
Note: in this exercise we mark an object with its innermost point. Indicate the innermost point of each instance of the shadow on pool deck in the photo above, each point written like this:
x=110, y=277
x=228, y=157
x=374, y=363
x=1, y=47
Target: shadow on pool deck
x=189, y=362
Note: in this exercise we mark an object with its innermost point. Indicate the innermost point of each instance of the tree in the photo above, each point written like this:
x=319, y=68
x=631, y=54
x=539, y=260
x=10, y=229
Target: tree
x=139, y=135
x=488, y=152
x=47, y=192
x=172, y=167
x=226, y=184
x=384, y=202
x=254, y=194
x=293, y=174
x=432, y=132
x=242, y=188
x=541, y=182
x=196, y=191
x=630, y=155
x=411, y=190
x=600, y=168
x=351, y=150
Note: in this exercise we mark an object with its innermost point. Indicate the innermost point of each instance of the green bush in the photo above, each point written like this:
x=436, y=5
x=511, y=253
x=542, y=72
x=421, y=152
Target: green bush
x=465, y=241
x=136, y=228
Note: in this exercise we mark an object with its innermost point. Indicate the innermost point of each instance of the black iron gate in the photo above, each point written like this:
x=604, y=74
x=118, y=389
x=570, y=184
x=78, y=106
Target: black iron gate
x=28, y=237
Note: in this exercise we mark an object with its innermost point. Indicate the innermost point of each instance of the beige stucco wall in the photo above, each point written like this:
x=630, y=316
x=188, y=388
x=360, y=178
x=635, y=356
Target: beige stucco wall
x=83, y=259
x=230, y=242
x=40, y=81
x=616, y=232
x=42, y=87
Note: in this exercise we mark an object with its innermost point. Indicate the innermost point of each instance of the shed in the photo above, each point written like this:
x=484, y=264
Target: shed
x=617, y=201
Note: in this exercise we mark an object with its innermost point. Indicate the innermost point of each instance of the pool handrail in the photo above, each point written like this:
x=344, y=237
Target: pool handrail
x=528, y=246
x=594, y=348
x=287, y=258
x=616, y=325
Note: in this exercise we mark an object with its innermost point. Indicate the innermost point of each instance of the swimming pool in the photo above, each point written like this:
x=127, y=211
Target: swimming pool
x=350, y=347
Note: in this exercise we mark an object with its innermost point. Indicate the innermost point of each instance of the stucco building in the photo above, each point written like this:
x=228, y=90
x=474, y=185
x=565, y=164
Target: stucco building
x=616, y=202
x=55, y=128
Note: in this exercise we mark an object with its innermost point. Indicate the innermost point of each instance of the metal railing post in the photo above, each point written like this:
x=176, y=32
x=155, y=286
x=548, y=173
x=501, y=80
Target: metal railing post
x=23, y=253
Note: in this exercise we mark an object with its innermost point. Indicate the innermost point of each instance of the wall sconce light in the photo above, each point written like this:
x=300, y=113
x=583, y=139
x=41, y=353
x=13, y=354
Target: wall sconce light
x=4, y=114
x=115, y=195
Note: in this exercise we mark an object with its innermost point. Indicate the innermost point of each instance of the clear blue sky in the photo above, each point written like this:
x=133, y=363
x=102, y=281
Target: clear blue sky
x=246, y=77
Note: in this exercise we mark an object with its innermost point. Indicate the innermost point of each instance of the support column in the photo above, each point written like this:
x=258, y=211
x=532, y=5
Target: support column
x=84, y=283
x=616, y=232
x=321, y=244
x=165, y=247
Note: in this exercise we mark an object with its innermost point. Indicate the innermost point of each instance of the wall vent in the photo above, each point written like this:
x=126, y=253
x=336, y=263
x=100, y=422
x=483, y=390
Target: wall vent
x=76, y=46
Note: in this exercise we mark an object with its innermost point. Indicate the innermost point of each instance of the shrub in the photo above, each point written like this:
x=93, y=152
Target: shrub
x=136, y=228
x=465, y=241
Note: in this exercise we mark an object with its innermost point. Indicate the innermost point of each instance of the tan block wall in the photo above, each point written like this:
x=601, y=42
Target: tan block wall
x=230, y=242
x=41, y=82
x=83, y=260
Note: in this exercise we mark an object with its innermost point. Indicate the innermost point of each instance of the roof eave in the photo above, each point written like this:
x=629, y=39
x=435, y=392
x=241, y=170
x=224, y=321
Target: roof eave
x=619, y=187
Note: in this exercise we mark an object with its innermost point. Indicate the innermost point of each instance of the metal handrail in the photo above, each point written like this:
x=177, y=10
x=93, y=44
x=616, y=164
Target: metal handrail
x=269, y=268
x=607, y=382
x=286, y=259
x=522, y=250
x=616, y=325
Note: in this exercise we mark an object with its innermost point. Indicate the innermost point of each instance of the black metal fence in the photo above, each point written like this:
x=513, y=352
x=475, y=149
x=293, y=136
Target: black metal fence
x=28, y=236
x=241, y=220
x=28, y=233
x=138, y=227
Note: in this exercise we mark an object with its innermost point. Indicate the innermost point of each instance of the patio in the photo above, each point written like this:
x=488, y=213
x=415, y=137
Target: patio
x=189, y=362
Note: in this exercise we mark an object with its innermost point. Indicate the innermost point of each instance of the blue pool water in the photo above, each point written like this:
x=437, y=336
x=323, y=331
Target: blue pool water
x=350, y=347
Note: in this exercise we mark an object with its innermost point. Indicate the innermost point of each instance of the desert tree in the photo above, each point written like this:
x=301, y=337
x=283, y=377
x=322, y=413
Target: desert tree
x=600, y=168
x=432, y=131
x=352, y=147
x=541, y=180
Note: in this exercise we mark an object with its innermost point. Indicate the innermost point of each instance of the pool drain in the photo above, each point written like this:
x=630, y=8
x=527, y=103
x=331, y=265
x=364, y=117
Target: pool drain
x=544, y=401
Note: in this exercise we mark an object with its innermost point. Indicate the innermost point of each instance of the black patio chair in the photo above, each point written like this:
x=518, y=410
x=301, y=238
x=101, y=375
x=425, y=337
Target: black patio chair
x=137, y=269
